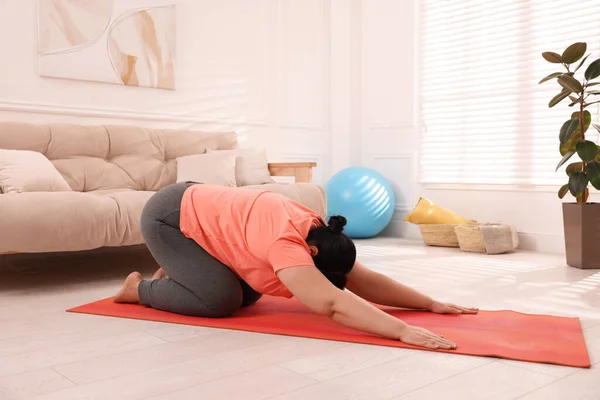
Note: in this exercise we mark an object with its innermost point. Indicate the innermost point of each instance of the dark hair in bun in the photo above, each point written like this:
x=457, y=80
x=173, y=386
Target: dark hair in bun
x=337, y=253
x=337, y=223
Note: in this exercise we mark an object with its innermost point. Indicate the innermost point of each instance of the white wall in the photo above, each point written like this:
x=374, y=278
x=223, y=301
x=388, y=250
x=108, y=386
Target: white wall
x=332, y=81
x=260, y=67
x=390, y=135
x=389, y=139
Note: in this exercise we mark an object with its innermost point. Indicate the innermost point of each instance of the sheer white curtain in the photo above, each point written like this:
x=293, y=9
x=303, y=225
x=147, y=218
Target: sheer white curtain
x=485, y=119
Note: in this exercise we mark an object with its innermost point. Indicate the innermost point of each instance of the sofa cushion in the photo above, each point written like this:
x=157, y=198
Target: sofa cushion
x=112, y=156
x=212, y=168
x=70, y=221
x=251, y=166
x=29, y=171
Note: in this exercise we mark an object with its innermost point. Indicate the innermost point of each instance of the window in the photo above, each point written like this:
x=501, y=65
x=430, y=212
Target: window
x=485, y=119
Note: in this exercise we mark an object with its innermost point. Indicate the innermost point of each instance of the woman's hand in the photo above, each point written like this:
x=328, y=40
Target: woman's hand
x=447, y=308
x=422, y=337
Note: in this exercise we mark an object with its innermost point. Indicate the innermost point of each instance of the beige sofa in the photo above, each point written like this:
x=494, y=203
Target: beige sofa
x=112, y=171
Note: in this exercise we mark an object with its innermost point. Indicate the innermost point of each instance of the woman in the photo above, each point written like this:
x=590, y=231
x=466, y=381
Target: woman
x=223, y=248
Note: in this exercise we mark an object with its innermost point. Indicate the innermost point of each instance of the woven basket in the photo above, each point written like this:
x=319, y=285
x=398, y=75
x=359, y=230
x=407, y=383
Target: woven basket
x=497, y=238
x=439, y=235
x=470, y=238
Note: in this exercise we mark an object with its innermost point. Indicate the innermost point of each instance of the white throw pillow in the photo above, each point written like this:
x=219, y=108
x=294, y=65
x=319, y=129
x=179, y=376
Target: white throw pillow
x=251, y=166
x=209, y=168
x=29, y=171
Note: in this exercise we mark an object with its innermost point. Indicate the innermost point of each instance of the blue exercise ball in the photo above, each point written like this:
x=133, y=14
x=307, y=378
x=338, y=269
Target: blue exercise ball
x=364, y=197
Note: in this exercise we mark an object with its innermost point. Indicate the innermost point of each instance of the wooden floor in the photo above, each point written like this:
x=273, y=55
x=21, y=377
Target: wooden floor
x=46, y=353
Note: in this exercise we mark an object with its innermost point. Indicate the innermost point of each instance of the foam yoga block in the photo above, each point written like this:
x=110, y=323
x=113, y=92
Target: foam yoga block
x=504, y=334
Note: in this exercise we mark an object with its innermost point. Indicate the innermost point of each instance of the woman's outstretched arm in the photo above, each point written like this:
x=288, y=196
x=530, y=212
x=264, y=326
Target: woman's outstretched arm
x=380, y=289
x=313, y=290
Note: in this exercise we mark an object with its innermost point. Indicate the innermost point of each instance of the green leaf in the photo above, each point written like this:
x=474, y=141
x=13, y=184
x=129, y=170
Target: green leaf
x=581, y=63
x=563, y=191
x=551, y=76
x=563, y=131
x=570, y=83
x=574, y=167
x=587, y=150
x=577, y=183
x=587, y=120
x=598, y=156
x=558, y=98
x=593, y=174
x=552, y=57
x=577, y=135
x=583, y=197
x=570, y=145
x=574, y=52
x=566, y=134
x=593, y=70
x=568, y=155
x=574, y=100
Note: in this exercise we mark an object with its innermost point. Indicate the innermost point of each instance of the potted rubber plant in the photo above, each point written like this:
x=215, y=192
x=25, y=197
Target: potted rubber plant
x=581, y=219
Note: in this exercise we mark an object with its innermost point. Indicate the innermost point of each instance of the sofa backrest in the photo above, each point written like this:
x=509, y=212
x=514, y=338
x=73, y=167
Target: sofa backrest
x=112, y=156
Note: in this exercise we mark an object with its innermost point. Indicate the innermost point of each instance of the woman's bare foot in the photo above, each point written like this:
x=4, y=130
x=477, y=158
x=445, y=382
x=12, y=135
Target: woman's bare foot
x=129, y=291
x=160, y=274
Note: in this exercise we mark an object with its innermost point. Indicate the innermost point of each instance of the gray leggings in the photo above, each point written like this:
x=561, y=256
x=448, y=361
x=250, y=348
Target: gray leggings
x=198, y=284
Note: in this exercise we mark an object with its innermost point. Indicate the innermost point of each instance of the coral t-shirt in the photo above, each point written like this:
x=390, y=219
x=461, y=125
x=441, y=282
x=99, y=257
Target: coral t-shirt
x=255, y=233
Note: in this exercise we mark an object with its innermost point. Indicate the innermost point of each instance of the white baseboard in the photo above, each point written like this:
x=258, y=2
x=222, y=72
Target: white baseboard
x=542, y=242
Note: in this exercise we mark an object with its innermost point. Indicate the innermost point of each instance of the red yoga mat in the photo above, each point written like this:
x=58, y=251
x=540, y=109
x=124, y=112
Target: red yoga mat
x=503, y=334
